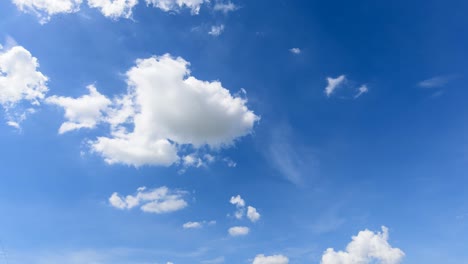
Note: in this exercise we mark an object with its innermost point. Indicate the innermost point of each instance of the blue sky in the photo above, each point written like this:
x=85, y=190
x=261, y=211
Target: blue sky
x=264, y=132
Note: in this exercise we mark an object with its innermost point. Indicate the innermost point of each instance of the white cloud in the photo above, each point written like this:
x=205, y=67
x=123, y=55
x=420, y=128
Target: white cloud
x=197, y=225
x=192, y=225
x=240, y=204
x=225, y=7
x=295, y=50
x=167, y=108
x=334, y=83
x=361, y=90
x=237, y=201
x=366, y=248
x=158, y=201
x=22, y=86
x=176, y=5
x=436, y=82
x=83, y=112
x=216, y=30
x=252, y=214
x=114, y=8
x=44, y=9
x=238, y=231
x=275, y=259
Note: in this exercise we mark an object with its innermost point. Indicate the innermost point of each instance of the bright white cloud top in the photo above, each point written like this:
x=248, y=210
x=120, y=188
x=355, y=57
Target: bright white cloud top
x=158, y=201
x=114, y=8
x=334, y=83
x=176, y=5
x=167, y=108
x=275, y=259
x=22, y=85
x=44, y=9
x=366, y=248
x=238, y=231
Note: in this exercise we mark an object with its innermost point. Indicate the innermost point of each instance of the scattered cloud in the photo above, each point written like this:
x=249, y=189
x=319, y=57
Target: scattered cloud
x=252, y=214
x=197, y=225
x=361, y=90
x=176, y=5
x=158, y=201
x=334, y=83
x=216, y=30
x=44, y=9
x=238, y=231
x=436, y=82
x=83, y=112
x=366, y=248
x=275, y=259
x=192, y=225
x=295, y=50
x=225, y=7
x=114, y=8
x=240, y=204
x=22, y=86
x=237, y=201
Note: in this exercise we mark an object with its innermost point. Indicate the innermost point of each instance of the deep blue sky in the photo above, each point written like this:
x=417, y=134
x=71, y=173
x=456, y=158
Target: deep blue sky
x=396, y=156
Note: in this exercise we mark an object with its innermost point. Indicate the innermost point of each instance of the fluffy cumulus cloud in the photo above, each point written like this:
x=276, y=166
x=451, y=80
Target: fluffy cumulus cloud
x=164, y=109
x=240, y=205
x=176, y=5
x=275, y=259
x=44, y=9
x=114, y=8
x=238, y=231
x=158, y=201
x=83, y=112
x=252, y=214
x=22, y=85
x=334, y=83
x=365, y=248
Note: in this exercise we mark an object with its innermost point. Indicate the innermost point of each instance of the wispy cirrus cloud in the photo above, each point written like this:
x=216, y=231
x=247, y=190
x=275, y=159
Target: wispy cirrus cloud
x=225, y=7
x=437, y=81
